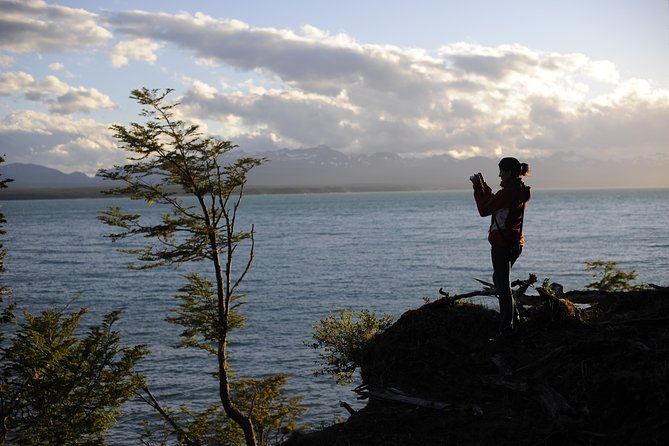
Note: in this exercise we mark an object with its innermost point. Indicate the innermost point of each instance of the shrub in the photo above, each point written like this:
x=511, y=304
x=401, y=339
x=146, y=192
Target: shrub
x=343, y=337
x=611, y=278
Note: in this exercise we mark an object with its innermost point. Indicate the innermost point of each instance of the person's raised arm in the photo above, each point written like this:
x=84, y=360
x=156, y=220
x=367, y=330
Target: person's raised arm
x=487, y=202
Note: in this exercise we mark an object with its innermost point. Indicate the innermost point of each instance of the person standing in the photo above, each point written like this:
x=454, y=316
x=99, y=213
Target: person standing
x=507, y=209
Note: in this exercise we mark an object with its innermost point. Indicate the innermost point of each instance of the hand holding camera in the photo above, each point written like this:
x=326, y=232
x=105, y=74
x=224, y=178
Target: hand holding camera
x=477, y=178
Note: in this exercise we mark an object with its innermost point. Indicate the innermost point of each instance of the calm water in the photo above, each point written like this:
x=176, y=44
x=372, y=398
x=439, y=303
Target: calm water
x=314, y=254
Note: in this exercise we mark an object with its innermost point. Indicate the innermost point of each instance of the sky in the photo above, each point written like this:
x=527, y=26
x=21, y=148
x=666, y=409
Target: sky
x=422, y=78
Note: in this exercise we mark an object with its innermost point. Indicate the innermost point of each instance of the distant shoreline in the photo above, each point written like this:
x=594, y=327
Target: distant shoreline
x=97, y=192
x=56, y=193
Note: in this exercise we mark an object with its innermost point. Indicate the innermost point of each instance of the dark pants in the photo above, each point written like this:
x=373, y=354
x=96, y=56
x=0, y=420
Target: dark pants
x=503, y=258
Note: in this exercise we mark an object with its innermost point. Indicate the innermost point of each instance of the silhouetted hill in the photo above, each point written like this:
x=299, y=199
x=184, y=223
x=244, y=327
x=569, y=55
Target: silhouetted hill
x=322, y=166
x=322, y=169
x=590, y=376
x=36, y=176
x=32, y=181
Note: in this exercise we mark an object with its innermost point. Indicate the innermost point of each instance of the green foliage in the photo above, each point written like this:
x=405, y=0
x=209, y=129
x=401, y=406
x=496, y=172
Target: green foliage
x=273, y=414
x=59, y=388
x=7, y=316
x=169, y=159
x=342, y=338
x=198, y=314
x=212, y=426
x=546, y=287
x=610, y=277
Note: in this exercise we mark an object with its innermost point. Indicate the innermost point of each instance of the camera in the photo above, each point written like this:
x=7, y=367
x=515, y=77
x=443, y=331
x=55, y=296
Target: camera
x=472, y=178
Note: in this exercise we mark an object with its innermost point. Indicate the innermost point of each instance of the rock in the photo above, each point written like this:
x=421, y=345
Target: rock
x=599, y=379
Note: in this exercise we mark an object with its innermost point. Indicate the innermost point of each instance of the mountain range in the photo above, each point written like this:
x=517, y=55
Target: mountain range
x=36, y=176
x=323, y=167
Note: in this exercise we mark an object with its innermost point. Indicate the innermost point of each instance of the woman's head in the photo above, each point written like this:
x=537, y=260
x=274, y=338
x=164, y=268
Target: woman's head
x=514, y=167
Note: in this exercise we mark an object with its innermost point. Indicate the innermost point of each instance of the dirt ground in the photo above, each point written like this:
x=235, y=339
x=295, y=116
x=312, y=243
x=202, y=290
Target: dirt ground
x=594, y=376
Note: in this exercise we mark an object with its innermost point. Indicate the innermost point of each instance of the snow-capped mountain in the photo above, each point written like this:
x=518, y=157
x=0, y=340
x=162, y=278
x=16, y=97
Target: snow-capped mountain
x=323, y=166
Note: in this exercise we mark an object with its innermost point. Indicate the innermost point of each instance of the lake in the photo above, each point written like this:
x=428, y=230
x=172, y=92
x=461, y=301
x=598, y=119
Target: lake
x=316, y=253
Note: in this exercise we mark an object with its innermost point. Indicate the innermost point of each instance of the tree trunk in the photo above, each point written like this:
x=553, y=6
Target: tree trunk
x=243, y=421
x=222, y=286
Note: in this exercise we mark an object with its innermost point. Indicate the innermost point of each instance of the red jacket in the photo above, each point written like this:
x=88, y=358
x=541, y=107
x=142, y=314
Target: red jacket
x=507, y=207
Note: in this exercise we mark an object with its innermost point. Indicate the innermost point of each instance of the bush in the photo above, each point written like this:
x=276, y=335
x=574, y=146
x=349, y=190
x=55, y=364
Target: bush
x=611, y=278
x=343, y=337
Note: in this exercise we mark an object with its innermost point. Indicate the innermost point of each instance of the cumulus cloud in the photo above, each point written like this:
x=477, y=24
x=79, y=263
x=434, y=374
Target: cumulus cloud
x=466, y=100
x=80, y=100
x=135, y=49
x=627, y=122
x=33, y=25
x=62, y=142
x=15, y=82
x=310, y=88
x=58, y=96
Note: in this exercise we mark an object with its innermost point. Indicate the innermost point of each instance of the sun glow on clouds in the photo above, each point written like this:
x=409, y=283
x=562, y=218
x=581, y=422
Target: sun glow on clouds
x=58, y=96
x=203, y=90
x=309, y=87
x=464, y=153
x=60, y=141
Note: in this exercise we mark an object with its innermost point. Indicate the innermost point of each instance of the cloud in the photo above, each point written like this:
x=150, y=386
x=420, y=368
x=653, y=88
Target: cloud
x=15, y=82
x=59, y=97
x=58, y=141
x=294, y=58
x=317, y=117
x=6, y=61
x=308, y=87
x=32, y=25
x=466, y=100
x=135, y=49
x=491, y=63
x=80, y=100
x=627, y=122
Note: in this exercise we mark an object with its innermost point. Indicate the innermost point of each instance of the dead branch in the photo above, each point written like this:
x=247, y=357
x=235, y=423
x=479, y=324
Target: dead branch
x=457, y=297
x=392, y=394
x=348, y=407
x=151, y=401
x=490, y=290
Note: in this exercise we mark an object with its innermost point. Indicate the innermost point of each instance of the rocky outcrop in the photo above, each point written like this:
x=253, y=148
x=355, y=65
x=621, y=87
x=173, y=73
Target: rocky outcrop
x=595, y=376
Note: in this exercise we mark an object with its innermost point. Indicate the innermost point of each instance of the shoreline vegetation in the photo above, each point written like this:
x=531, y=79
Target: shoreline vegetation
x=587, y=367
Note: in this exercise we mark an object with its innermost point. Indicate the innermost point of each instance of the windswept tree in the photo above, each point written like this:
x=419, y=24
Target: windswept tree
x=56, y=386
x=171, y=163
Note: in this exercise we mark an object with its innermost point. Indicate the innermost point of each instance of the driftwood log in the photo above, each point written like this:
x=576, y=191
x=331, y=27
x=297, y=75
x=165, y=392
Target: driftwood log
x=489, y=290
x=398, y=396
